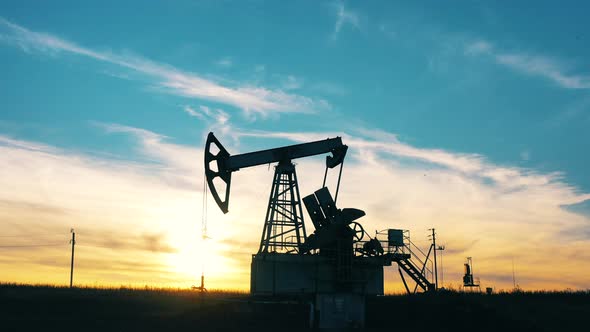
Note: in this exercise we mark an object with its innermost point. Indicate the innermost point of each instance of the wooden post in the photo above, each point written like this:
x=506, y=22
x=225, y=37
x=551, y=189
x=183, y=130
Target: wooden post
x=73, y=242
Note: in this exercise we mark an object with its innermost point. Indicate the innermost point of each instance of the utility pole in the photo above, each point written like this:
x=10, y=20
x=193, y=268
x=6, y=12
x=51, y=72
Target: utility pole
x=435, y=266
x=73, y=242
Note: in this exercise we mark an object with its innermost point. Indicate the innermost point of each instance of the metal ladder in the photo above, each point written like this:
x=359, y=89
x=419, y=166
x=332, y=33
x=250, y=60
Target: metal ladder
x=415, y=274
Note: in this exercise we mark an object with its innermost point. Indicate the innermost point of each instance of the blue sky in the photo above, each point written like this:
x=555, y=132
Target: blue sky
x=498, y=94
x=403, y=68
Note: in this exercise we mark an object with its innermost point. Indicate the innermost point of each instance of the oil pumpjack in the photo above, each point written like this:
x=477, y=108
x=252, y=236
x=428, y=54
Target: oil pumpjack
x=332, y=262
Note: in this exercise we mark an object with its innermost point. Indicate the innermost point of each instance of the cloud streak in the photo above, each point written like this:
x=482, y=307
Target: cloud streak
x=344, y=16
x=251, y=99
x=531, y=64
x=225, y=62
x=372, y=145
x=480, y=209
x=143, y=211
x=217, y=119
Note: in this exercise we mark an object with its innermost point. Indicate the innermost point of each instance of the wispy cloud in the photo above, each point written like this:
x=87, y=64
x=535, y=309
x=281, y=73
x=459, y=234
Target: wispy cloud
x=292, y=83
x=143, y=210
x=546, y=67
x=372, y=143
x=551, y=68
x=478, y=47
x=192, y=112
x=387, y=30
x=217, y=119
x=344, y=16
x=225, y=62
x=465, y=196
x=220, y=117
x=155, y=146
x=577, y=110
x=154, y=242
x=251, y=99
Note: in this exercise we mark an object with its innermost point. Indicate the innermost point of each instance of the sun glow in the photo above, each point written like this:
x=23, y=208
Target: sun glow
x=213, y=256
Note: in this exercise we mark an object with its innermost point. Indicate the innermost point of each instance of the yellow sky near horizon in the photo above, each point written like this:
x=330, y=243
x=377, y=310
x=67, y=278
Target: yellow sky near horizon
x=138, y=223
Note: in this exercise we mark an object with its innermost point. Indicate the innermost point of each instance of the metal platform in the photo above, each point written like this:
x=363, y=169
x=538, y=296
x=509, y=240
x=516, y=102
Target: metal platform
x=291, y=274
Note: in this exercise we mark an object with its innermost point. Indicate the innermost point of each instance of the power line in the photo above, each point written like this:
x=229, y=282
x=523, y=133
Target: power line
x=33, y=245
x=29, y=235
x=95, y=246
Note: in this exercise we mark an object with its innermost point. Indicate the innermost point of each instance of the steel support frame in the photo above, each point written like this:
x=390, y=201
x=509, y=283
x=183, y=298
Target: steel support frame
x=284, y=229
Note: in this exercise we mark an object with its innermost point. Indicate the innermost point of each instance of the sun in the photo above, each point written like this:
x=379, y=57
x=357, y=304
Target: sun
x=196, y=256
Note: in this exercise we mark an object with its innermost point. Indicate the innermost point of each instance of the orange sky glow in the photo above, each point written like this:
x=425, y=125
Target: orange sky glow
x=138, y=224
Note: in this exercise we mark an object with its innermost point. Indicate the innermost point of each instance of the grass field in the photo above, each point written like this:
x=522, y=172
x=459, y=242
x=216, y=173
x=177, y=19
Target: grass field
x=45, y=308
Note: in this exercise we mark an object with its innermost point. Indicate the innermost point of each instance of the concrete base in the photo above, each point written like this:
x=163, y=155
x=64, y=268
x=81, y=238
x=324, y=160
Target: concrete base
x=339, y=311
x=291, y=274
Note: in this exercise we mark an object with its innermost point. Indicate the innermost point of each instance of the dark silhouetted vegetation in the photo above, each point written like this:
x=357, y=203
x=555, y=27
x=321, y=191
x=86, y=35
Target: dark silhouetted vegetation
x=48, y=308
